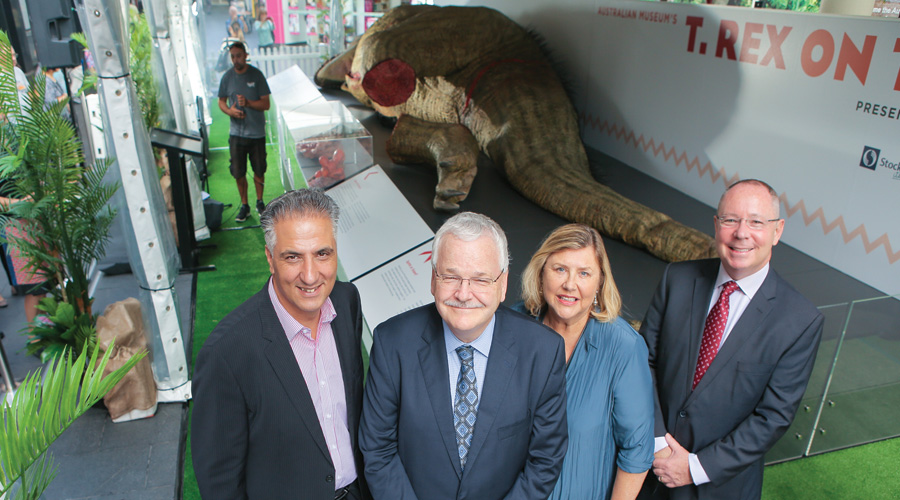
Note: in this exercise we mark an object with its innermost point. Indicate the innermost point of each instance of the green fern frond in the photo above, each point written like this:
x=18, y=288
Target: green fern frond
x=37, y=478
x=41, y=411
x=9, y=97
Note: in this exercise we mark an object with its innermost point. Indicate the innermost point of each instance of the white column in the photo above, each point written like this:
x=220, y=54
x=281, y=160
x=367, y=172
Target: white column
x=150, y=241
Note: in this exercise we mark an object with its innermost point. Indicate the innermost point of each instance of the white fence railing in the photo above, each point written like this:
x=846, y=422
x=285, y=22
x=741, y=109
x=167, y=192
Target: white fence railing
x=272, y=60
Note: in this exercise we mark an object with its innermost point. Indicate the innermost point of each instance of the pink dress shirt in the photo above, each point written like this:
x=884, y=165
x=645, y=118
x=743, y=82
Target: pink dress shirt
x=318, y=360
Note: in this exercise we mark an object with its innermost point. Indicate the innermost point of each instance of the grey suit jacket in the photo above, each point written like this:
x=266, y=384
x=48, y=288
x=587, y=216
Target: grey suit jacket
x=406, y=432
x=254, y=431
x=748, y=397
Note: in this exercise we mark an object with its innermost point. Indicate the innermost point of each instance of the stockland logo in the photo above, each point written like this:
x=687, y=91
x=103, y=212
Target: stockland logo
x=869, y=157
x=872, y=159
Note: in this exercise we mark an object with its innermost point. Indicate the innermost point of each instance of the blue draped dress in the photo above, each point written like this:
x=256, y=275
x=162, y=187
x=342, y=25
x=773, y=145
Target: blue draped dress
x=609, y=409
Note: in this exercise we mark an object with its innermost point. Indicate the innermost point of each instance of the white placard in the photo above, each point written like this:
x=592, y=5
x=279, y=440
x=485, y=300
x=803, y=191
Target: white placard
x=377, y=224
x=396, y=287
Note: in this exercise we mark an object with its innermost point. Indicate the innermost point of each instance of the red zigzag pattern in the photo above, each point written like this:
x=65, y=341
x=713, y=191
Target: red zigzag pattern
x=715, y=175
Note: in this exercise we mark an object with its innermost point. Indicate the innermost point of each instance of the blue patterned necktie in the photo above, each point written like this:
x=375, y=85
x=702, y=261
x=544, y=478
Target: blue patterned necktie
x=466, y=404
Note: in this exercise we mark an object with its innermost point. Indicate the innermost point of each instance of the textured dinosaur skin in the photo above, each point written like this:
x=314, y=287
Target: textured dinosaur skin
x=462, y=80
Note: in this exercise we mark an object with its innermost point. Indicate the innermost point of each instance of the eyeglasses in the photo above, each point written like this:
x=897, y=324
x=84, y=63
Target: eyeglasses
x=754, y=224
x=451, y=281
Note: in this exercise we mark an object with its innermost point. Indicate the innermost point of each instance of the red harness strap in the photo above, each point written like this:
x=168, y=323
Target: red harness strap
x=487, y=68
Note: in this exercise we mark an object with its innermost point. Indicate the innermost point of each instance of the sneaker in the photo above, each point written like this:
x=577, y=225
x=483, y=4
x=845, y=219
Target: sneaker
x=242, y=213
x=260, y=206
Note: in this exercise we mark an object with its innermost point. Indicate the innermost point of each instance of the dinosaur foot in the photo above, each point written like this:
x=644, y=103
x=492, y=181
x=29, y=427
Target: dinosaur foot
x=448, y=200
x=448, y=146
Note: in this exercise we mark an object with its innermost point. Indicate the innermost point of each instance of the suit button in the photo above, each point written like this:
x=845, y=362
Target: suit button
x=329, y=478
x=682, y=414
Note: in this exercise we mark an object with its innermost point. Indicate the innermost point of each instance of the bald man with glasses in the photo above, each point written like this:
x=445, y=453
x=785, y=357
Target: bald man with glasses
x=731, y=349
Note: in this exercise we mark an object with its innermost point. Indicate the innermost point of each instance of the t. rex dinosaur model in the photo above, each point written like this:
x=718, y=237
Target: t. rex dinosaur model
x=466, y=79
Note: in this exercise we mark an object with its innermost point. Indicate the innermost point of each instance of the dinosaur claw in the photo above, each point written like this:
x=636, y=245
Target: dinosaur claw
x=450, y=193
x=444, y=205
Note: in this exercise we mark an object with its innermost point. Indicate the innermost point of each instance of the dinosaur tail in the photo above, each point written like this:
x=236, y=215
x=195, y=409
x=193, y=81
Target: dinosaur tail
x=561, y=183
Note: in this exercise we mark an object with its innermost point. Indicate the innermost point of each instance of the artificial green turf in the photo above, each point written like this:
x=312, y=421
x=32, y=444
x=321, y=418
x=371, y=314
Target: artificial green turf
x=865, y=472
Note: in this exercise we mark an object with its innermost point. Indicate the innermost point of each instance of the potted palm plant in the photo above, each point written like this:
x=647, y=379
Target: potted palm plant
x=64, y=208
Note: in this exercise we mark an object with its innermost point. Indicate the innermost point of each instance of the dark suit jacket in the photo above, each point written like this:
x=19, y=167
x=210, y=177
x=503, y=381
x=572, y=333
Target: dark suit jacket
x=748, y=397
x=254, y=431
x=406, y=432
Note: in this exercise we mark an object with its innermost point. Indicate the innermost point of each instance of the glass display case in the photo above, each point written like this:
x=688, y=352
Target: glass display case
x=320, y=141
x=328, y=150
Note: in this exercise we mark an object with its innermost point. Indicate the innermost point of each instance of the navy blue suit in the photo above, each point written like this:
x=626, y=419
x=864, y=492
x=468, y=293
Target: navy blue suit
x=750, y=393
x=406, y=431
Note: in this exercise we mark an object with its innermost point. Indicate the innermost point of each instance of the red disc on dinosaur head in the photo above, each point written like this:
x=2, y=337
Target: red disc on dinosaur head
x=390, y=82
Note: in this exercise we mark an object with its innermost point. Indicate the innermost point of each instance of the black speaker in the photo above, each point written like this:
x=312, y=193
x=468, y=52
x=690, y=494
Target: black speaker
x=52, y=24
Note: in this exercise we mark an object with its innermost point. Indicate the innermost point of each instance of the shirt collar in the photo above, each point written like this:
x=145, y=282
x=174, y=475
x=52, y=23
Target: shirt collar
x=748, y=285
x=290, y=325
x=482, y=344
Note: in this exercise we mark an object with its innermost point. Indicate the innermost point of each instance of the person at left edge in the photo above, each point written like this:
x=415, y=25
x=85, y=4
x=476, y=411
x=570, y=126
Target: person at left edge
x=244, y=97
x=465, y=399
x=278, y=384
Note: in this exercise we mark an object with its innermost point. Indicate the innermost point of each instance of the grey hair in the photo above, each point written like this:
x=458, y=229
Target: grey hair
x=776, y=203
x=469, y=226
x=297, y=203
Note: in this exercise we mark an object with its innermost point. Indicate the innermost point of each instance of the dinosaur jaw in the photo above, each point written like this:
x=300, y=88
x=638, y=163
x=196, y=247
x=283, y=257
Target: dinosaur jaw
x=332, y=73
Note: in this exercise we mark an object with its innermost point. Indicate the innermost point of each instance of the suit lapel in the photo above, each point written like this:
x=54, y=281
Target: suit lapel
x=281, y=358
x=499, y=372
x=745, y=328
x=433, y=362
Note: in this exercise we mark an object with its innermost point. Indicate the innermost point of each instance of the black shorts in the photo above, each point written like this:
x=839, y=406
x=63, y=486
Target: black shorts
x=38, y=289
x=242, y=147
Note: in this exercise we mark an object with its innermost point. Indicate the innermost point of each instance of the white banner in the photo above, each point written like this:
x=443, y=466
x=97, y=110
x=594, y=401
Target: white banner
x=700, y=96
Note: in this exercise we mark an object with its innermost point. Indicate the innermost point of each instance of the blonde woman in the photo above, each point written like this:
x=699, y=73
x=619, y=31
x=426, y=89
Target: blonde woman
x=568, y=286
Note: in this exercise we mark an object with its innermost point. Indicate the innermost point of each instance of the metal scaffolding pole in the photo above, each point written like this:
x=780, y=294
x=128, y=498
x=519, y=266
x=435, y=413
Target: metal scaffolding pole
x=150, y=239
x=181, y=77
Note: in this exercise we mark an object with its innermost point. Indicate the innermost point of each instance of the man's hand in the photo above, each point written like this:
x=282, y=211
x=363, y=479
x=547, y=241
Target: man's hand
x=673, y=470
x=663, y=453
x=234, y=112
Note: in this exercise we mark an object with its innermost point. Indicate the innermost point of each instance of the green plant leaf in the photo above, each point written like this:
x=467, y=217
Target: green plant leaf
x=52, y=352
x=42, y=410
x=65, y=314
x=48, y=306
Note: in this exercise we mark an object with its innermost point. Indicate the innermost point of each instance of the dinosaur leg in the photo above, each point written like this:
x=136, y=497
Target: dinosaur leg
x=450, y=147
